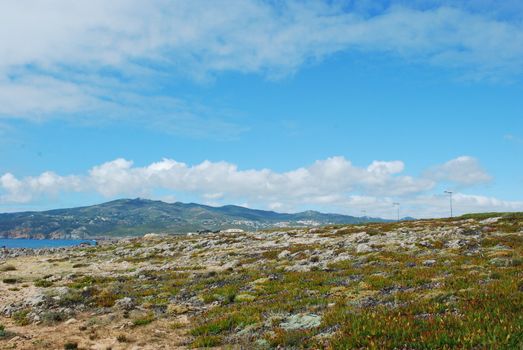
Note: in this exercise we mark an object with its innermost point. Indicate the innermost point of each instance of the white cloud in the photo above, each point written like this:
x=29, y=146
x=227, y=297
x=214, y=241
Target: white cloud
x=438, y=205
x=475, y=201
x=386, y=167
x=55, y=55
x=36, y=97
x=321, y=182
x=333, y=184
x=27, y=189
x=12, y=186
x=464, y=171
x=513, y=138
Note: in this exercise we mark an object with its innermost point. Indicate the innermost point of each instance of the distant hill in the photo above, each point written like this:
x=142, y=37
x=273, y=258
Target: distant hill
x=134, y=217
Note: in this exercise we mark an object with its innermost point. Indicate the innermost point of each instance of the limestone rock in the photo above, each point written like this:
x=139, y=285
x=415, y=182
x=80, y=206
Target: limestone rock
x=364, y=248
x=284, y=254
x=124, y=304
x=301, y=321
x=429, y=263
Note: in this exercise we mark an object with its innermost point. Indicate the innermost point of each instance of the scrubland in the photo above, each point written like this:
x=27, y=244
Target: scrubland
x=428, y=284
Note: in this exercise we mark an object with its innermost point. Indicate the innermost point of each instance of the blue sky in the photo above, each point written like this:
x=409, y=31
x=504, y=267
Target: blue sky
x=334, y=106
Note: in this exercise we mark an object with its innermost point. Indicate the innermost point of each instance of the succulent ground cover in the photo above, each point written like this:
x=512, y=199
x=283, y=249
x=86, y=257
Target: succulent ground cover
x=431, y=284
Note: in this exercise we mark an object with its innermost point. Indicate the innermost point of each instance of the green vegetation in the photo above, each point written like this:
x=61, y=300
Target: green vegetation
x=10, y=280
x=136, y=217
x=79, y=265
x=21, y=317
x=71, y=346
x=145, y=320
x=207, y=341
x=105, y=297
x=122, y=338
x=5, y=268
x=53, y=317
x=451, y=305
x=222, y=324
x=482, y=216
x=431, y=284
x=43, y=283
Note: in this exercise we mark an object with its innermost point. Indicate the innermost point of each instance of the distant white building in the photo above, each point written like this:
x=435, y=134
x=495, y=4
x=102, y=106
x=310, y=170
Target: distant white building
x=232, y=230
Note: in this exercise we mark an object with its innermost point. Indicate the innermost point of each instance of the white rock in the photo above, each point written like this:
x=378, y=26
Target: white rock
x=125, y=303
x=301, y=321
x=70, y=321
x=361, y=237
x=232, y=230
x=364, y=248
x=430, y=262
x=36, y=300
x=151, y=236
x=231, y=264
x=284, y=254
x=490, y=221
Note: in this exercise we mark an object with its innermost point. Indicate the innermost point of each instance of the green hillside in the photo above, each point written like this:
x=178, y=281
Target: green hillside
x=134, y=217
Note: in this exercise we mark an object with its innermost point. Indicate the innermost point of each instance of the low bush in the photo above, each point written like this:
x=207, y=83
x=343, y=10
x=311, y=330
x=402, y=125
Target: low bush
x=10, y=280
x=122, y=338
x=53, y=317
x=21, y=317
x=207, y=341
x=43, y=283
x=71, y=346
x=142, y=321
x=5, y=268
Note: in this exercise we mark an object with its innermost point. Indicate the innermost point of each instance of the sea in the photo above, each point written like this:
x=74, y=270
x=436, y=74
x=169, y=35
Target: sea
x=42, y=243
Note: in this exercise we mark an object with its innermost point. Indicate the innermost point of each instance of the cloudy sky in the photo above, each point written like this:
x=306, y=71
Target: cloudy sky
x=339, y=106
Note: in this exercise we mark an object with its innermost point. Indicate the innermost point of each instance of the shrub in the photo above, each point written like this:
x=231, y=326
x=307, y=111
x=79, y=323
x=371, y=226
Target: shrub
x=79, y=265
x=226, y=323
x=106, y=298
x=207, y=341
x=6, y=268
x=73, y=297
x=20, y=317
x=10, y=280
x=43, y=283
x=288, y=339
x=53, y=317
x=122, y=338
x=142, y=321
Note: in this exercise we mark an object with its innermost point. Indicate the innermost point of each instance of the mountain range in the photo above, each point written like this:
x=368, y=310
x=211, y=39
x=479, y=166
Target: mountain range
x=135, y=217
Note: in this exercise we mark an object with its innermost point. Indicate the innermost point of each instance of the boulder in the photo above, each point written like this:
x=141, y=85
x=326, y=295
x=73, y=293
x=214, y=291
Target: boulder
x=301, y=321
x=124, y=304
x=284, y=254
x=429, y=263
x=364, y=248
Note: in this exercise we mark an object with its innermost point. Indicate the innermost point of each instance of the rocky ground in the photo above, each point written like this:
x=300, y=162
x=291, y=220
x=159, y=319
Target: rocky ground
x=433, y=284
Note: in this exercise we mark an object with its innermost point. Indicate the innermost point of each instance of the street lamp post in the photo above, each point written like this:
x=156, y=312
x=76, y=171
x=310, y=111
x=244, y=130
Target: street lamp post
x=396, y=204
x=450, y=196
